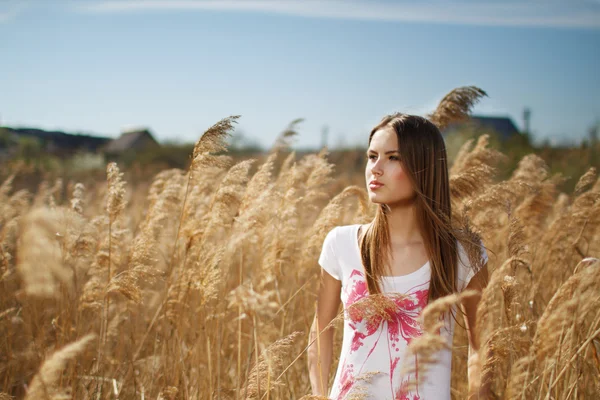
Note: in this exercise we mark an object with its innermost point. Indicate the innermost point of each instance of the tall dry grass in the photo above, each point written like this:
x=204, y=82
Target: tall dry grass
x=203, y=284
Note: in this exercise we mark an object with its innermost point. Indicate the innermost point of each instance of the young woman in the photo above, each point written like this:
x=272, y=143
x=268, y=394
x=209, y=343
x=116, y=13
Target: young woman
x=410, y=249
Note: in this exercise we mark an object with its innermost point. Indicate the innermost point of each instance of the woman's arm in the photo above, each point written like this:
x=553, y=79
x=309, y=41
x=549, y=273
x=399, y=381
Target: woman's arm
x=476, y=390
x=321, y=350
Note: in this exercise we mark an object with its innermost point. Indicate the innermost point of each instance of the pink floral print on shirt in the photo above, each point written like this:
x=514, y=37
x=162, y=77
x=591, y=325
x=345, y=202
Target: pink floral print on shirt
x=402, y=323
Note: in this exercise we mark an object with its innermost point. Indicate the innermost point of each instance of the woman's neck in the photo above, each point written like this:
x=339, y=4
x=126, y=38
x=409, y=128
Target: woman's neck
x=403, y=225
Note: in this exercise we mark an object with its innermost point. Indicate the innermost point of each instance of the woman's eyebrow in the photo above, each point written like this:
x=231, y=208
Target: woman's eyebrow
x=387, y=152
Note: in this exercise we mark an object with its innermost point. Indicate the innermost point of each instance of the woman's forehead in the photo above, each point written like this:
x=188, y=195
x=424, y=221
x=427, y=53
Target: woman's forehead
x=384, y=138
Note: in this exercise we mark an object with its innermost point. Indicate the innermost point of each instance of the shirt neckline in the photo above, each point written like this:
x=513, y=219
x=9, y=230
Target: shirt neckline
x=418, y=272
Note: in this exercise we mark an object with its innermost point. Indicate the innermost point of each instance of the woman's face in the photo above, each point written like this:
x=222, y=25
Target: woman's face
x=386, y=179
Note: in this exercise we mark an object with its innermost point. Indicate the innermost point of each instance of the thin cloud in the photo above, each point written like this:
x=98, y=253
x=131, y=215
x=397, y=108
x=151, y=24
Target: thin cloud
x=569, y=14
x=6, y=16
x=10, y=11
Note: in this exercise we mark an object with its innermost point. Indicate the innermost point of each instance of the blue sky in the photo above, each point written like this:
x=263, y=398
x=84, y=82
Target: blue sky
x=179, y=66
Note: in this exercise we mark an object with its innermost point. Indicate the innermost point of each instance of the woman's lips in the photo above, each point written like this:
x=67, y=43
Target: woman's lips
x=375, y=185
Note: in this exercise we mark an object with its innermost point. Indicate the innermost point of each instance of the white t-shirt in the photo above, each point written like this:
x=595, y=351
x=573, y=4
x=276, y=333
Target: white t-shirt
x=377, y=350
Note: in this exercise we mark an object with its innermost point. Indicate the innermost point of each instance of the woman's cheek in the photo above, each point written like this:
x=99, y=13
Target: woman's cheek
x=399, y=175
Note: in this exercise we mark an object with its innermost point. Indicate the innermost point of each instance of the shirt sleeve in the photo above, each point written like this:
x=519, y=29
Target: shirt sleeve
x=466, y=270
x=328, y=259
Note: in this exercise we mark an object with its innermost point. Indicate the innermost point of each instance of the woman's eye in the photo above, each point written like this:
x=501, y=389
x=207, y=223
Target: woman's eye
x=372, y=157
x=394, y=158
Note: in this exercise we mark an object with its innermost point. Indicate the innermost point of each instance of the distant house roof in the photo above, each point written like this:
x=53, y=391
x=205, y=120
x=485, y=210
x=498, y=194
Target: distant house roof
x=135, y=139
x=61, y=140
x=504, y=126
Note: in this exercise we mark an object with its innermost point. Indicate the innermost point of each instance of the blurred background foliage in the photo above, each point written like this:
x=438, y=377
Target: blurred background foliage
x=33, y=163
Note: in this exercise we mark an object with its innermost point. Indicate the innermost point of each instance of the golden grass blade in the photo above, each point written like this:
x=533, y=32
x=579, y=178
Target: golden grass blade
x=456, y=105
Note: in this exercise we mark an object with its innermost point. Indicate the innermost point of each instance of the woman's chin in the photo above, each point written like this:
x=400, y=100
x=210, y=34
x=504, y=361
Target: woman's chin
x=375, y=198
x=401, y=202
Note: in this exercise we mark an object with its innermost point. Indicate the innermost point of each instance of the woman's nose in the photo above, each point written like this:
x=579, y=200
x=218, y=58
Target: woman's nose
x=376, y=168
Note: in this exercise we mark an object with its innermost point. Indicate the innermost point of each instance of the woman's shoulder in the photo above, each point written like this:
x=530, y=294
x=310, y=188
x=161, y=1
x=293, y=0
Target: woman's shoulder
x=343, y=232
x=345, y=237
x=471, y=258
x=471, y=250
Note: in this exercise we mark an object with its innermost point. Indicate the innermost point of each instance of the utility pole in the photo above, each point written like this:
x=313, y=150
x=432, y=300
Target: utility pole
x=526, y=119
x=324, y=136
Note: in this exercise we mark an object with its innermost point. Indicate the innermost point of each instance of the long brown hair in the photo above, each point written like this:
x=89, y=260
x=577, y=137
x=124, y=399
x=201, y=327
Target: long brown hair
x=423, y=157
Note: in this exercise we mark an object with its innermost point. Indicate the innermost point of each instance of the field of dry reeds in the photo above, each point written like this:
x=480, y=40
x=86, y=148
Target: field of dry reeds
x=202, y=283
